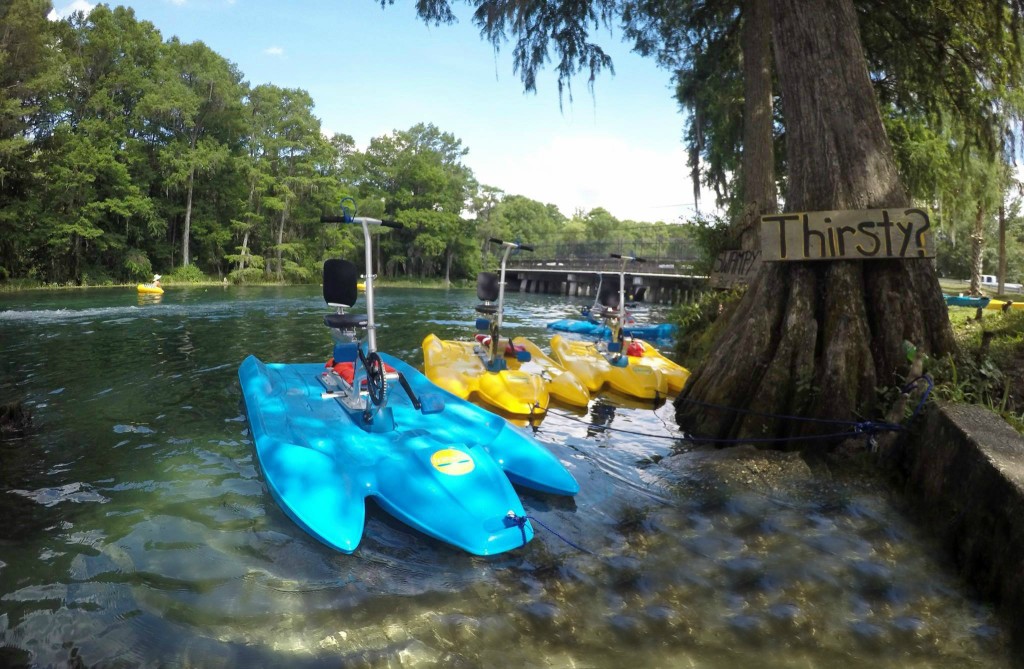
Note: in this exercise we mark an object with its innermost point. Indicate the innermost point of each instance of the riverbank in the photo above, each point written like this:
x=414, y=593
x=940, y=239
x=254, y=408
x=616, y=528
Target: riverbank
x=964, y=468
x=23, y=285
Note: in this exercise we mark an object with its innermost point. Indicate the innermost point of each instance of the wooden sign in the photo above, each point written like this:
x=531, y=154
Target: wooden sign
x=847, y=235
x=734, y=268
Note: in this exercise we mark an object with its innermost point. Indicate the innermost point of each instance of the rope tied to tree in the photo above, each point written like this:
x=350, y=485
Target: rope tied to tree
x=865, y=428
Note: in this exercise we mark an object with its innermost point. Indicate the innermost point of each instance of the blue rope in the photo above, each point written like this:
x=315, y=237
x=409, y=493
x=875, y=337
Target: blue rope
x=866, y=428
x=520, y=522
x=924, y=396
x=751, y=412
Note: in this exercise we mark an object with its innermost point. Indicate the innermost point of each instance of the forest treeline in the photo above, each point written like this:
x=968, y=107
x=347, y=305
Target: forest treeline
x=123, y=153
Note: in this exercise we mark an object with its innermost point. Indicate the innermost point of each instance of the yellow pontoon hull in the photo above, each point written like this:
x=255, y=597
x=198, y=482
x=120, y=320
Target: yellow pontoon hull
x=675, y=375
x=562, y=384
x=636, y=378
x=146, y=288
x=455, y=366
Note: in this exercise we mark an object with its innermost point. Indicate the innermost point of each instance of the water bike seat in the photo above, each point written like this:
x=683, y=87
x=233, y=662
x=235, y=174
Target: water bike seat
x=341, y=282
x=488, y=286
x=488, y=309
x=609, y=294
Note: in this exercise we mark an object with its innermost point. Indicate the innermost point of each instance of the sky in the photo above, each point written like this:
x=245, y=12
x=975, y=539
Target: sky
x=371, y=71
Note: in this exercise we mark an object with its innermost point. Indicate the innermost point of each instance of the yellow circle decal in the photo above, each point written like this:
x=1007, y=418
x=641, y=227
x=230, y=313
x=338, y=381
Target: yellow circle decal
x=452, y=462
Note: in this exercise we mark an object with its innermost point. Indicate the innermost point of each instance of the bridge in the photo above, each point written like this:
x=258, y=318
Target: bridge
x=666, y=276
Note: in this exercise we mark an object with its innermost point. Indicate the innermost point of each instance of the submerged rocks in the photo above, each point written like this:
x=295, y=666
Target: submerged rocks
x=15, y=420
x=725, y=470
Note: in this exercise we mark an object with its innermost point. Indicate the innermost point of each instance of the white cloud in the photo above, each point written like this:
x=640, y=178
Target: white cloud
x=75, y=6
x=589, y=171
x=274, y=51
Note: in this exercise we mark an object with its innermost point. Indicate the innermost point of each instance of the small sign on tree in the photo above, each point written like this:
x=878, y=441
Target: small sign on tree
x=847, y=235
x=734, y=268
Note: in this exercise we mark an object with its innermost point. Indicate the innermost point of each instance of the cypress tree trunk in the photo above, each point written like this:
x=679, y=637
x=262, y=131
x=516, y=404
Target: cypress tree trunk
x=280, y=240
x=188, y=221
x=816, y=339
x=758, y=176
x=245, y=250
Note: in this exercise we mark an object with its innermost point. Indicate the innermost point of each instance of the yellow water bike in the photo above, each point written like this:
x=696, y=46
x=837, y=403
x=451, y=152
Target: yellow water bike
x=626, y=365
x=498, y=372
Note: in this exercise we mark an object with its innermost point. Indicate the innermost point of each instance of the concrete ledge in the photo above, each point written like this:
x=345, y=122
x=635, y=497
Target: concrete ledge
x=965, y=466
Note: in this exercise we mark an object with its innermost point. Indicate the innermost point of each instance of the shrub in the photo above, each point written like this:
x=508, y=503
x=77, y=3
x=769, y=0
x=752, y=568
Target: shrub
x=248, y=275
x=137, y=264
x=96, y=276
x=699, y=323
x=186, y=274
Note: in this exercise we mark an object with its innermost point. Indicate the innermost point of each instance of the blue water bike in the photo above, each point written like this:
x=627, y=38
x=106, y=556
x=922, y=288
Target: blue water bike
x=369, y=425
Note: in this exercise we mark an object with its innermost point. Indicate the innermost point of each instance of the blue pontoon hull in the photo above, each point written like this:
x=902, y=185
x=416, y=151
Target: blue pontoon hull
x=448, y=474
x=966, y=301
x=654, y=331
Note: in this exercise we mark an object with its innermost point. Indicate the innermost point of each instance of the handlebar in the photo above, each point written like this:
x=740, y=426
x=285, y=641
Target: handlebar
x=524, y=247
x=361, y=219
x=622, y=257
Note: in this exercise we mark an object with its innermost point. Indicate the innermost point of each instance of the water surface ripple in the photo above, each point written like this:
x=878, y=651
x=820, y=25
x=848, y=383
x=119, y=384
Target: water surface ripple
x=139, y=533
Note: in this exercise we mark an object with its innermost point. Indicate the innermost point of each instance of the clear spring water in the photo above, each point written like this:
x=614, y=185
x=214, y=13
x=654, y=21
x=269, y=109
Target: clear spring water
x=137, y=532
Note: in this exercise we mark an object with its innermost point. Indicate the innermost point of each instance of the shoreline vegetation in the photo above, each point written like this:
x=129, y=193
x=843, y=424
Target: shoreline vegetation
x=28, y=285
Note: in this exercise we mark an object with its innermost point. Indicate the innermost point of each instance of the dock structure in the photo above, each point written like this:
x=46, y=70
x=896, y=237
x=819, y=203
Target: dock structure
x=665, y=276
x=658, y=286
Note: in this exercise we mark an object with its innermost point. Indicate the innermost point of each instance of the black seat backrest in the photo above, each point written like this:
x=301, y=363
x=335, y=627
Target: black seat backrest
x=609, y=295
x=640, y=292
x=340, y=282
x=487, y=286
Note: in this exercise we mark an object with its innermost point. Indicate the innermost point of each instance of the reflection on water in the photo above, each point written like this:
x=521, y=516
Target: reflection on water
x=140, y=534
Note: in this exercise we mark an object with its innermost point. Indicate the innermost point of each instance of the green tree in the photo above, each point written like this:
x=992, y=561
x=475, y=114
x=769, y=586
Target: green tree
x=519, y=217
x=28, y=77
x=92, y=206
x=199, y=103
x=802, y=328
x=418, y=170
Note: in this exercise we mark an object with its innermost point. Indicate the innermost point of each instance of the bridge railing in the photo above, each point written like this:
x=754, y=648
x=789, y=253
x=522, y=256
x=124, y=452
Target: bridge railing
x=661, y=256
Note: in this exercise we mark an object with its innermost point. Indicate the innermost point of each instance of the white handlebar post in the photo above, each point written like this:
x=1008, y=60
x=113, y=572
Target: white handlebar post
x=501, y=285
x=371, y=326
x=622, y=289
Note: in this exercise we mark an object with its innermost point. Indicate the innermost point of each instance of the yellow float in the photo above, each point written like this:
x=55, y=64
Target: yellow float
x=562, y=384
x=599, y=372
x=629, y=366
x=675, y=375
x=513, y=376
x=153, y=287
x=459, y=368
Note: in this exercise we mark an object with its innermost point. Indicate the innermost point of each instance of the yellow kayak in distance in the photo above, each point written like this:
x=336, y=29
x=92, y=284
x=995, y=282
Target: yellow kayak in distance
x=150, y=289
x=631, y=376
x=1003, y=305
x=458, y=368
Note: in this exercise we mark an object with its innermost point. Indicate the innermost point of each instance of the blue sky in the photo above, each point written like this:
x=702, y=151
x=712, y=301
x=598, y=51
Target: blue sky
x=373, y=70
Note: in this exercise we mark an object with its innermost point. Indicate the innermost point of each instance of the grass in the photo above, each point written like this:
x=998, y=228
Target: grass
x=988, y=369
